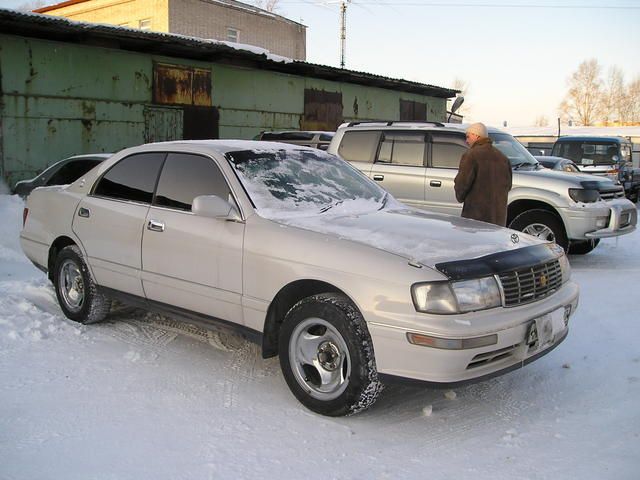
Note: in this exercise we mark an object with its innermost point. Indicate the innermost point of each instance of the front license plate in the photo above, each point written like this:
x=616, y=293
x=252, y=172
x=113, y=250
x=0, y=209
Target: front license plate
x=543, y=330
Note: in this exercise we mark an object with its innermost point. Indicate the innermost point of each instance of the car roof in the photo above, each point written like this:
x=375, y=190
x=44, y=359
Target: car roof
x=404, y=125
x=90, y=156
x=223, y=146
x=587, y=138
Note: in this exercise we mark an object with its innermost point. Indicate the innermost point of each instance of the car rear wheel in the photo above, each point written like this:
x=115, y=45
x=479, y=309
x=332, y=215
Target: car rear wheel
x=542, y=224
x=326, y=356
x=583, y=247
x=77, y=294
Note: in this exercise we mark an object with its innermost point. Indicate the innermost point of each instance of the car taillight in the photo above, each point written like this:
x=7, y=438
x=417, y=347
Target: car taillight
x=25, y=213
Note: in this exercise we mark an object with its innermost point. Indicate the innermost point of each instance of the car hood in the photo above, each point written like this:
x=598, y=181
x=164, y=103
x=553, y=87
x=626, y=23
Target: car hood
x=574, y=178
x=421, y=237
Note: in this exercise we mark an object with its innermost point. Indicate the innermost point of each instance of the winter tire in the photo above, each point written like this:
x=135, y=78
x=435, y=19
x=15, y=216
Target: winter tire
x=77, y=294
x=326, y=356
x=542, y=224
x=583, y=247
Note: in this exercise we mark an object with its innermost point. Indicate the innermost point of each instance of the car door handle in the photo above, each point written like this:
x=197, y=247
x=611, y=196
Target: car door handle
x=378, y=178
x=435, y=183
x=84, y=212
x=155, y=226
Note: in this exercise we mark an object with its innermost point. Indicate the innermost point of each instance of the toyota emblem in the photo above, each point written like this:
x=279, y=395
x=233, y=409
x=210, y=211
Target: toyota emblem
x=515, y=238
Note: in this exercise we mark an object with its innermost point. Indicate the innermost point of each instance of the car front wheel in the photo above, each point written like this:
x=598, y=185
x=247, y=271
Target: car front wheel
x=77, y=294
x=327, y=357
x=542, y=224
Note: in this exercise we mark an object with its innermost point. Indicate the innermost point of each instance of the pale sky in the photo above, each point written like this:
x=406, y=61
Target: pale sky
x=515, y=55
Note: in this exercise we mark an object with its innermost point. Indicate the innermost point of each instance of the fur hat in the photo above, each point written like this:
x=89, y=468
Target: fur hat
x=478, y=129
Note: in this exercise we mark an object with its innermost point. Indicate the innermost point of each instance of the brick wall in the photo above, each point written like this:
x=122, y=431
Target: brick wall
x=201, y=18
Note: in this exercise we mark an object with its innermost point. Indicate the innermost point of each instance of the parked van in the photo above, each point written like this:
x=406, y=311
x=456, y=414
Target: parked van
x=604, y=156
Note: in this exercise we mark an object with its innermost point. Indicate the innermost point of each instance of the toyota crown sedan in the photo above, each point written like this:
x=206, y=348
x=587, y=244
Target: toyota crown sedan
x=306, y=256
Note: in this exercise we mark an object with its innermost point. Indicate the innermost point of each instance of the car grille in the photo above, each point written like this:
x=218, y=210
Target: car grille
x=487, y=358
x=611, y=193
x=530, y=284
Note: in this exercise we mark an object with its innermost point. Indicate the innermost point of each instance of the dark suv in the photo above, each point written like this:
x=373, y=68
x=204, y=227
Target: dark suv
x=604, y=156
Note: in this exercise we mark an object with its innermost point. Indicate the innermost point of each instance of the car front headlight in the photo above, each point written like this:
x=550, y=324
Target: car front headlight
x=584, y=195
x=565, y=268
x=456, y=297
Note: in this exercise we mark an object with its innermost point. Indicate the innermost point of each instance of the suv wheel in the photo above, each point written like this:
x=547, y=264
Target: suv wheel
x=77, y=294
x=542, y=224
x=326, y=356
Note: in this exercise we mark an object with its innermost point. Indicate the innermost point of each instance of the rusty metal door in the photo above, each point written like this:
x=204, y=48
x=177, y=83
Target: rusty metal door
x=162, y=124
x=410, y=111
x=181, y=85
x=322, y=110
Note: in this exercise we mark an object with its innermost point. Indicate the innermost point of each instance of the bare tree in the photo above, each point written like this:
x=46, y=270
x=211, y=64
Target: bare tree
x=584, y=98
x=614, y=98
x=268, y=5
x=633, y=99
x=542, y=121
x=32, y=5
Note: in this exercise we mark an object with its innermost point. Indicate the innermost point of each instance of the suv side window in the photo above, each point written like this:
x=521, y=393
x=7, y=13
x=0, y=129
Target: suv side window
x=186, y=176
x=132, y=178
x=447, y=150
x=402, y=149
x=359, y=146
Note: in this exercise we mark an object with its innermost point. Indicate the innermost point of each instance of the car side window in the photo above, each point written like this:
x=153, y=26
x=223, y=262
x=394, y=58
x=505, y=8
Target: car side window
x=359, y=146
x=447, y=150
x=132, y=178
x=402, y=149
x=186, y=176
x=71, y=171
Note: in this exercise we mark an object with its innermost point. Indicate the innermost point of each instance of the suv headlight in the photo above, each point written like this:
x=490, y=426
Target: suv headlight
x=583, y=195
x=456, y=297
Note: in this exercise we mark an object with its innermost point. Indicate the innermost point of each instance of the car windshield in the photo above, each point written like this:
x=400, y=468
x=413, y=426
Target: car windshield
x=284, y=183
x=514, y=151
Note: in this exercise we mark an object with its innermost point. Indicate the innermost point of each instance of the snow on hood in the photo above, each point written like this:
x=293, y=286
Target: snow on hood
x=428, y=238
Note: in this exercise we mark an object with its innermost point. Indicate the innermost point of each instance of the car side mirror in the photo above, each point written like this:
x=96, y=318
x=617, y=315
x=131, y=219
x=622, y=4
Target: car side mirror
x=213, y=206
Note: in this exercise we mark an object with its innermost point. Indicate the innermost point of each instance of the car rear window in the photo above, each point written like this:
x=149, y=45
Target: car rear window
x=359, y=146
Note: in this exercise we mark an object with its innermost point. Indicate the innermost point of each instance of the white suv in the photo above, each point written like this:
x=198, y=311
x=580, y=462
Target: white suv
x=418, y=162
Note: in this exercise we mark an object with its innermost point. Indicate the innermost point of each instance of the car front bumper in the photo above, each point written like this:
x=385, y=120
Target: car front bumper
x=612, y=219
x=396, y=358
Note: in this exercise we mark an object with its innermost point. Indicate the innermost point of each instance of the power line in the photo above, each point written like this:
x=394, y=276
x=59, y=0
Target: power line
x=472, y=5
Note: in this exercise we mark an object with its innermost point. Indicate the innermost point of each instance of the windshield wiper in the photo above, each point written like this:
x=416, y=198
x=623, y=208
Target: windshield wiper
x=385, y=197
x=328, y=207
x=518, y=165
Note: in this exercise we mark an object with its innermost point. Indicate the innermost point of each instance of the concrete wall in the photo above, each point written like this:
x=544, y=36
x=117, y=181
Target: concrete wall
x=60, y=99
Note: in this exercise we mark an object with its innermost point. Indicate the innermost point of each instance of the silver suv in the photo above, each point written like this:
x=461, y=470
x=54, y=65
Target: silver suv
x=417, y=163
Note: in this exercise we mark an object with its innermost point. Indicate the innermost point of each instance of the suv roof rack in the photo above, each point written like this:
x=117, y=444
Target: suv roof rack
x=393, y=122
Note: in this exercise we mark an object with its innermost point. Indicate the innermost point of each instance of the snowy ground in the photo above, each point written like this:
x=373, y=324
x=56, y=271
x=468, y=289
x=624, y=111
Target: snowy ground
x=139, y=397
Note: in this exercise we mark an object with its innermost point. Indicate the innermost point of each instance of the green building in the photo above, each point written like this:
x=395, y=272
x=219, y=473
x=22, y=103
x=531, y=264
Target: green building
x=69, y=88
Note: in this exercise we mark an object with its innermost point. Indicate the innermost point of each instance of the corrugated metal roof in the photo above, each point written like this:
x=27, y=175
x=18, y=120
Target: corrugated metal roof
x=157, y=43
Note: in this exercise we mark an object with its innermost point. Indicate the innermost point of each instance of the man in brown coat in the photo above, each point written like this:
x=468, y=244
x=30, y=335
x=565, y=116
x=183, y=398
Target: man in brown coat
x=484, y=179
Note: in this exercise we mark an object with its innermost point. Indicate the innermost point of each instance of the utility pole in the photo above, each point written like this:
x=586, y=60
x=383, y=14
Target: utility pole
x=343, y=30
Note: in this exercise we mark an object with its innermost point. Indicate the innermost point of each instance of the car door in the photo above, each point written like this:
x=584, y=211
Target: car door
x=110, y=220
x=446, y=150
x=399, y=166
x=190, y=261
